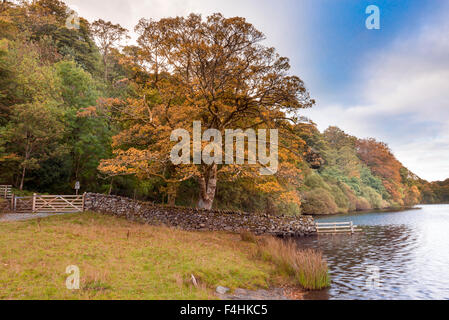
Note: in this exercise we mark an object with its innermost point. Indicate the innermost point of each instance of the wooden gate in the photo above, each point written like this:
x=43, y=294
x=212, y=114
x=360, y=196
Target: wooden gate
x=6, y=191
x=58, y=204
x=22, y=204
x=48, y=204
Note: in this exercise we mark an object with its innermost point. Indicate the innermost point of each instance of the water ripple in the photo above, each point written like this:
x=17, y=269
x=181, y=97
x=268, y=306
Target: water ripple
x=409, y=248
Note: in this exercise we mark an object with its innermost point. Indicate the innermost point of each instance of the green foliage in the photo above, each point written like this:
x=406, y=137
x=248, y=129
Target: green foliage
x=240, y=195
x=340, y=198
x=48, y=75
x=5, y=79
x=350, y=195
x=436, y=192
x=354, y=182
x=319, y=201
x=370, y=180
x=314, y=180
x=33, y=135
x=78, y=86
x=373, y=198
x=51, y=77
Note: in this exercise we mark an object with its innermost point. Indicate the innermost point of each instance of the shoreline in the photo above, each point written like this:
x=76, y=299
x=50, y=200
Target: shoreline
x=392, y=209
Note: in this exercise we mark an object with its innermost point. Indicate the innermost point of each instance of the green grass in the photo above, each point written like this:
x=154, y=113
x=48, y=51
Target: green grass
x=119, y=259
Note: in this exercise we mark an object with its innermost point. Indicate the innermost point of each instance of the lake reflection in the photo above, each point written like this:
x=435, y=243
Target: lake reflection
x=410, y=250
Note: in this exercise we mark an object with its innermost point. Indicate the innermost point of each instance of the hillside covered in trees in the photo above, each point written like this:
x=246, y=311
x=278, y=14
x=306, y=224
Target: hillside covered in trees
x=78, y=105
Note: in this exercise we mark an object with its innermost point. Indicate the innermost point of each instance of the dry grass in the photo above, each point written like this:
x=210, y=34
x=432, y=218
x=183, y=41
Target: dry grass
x=3, y=206
x=248, y=236
x=119, y=259
x=307, y=267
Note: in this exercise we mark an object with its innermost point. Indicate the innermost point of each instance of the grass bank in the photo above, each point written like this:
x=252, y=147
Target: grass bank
x=119, y=259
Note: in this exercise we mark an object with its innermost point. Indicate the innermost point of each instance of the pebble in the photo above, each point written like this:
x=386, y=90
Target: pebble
x=222, y=290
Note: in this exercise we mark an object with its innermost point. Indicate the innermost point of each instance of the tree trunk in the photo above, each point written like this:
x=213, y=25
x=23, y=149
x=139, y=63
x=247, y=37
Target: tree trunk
x=110, y=186
x=22, y=179
x=208, y=187
x=171, y=194
x=105, y=64
x=171, y=200
x=27, y=156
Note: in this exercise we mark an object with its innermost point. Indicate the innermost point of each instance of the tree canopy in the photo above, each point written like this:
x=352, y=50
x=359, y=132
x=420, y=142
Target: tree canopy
x=215, y=71
x=78, y=104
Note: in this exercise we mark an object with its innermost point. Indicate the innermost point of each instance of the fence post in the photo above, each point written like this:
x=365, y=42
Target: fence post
x=84, y=201
x=34, y=203
x=12, y=203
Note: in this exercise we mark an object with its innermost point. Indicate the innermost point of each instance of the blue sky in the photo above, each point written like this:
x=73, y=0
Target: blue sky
x=338, y=42
x=391, y=84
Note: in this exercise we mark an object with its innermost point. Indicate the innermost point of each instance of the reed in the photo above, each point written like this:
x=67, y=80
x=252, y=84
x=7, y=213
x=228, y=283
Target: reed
x=307, y=267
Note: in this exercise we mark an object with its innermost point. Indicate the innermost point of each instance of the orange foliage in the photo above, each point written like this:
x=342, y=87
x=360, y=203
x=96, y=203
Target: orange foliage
x=378, y=156
x=215, y=71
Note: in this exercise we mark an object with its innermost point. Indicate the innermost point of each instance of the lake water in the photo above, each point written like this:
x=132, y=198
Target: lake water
x=399, y=255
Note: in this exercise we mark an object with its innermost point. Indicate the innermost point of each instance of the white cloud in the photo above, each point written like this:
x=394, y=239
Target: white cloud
x=405, y=87
x=406, y=101
x=268, y=16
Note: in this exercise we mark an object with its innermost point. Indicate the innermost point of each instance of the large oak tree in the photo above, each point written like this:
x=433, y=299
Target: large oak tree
x=216, y=71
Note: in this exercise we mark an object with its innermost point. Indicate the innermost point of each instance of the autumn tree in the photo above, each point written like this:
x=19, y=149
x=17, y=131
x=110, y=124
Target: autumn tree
x=108, y=36
x=337, y=138
x=218, y=72
x=378, y=156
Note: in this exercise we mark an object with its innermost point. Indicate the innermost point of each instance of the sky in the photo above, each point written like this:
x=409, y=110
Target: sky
x=391, y=84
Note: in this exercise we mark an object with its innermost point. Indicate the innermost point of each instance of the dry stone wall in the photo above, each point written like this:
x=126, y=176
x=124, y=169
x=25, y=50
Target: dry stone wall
x=196, y=219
